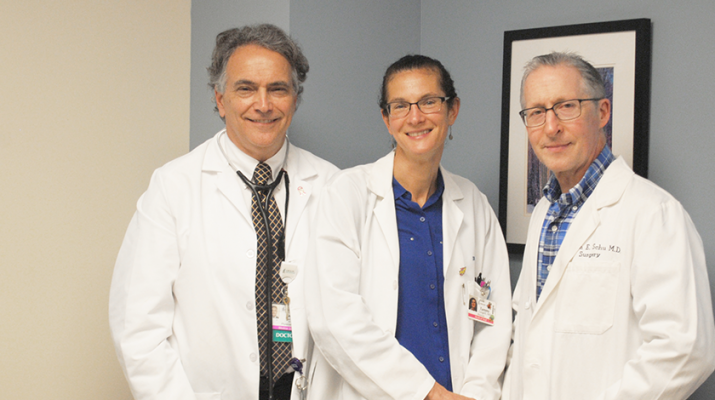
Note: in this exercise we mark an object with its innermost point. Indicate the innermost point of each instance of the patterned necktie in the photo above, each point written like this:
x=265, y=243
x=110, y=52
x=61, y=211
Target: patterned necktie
x=281, y=350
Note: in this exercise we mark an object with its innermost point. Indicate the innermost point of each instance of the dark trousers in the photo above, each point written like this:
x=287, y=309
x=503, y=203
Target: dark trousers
x=281, y=390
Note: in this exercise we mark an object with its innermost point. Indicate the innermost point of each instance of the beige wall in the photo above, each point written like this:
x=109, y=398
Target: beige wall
x=94, y=95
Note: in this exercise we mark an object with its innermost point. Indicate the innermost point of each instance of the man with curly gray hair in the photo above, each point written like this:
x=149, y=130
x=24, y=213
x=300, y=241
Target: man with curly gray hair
x=207, y=294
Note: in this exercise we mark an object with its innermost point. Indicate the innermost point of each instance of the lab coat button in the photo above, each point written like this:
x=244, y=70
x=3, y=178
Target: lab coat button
x=253, y=357
x=250, y=253
x=394, y=285
x=527, y=305
x=249, y=306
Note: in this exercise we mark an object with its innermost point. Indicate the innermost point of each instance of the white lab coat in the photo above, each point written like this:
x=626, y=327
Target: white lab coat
x=352, y=290
x=625, y=312
x=182, y=301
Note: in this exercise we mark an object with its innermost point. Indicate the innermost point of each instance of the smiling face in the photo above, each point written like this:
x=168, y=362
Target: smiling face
x=567, y=148
x=258, y=102
x=418, y=135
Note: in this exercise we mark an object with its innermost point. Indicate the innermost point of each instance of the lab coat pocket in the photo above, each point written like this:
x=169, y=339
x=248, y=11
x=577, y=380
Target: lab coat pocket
x=587, y=298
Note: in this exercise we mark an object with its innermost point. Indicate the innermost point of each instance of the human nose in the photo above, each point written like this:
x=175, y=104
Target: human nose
x=262, y=102
x=552, y=124
x=414, y=114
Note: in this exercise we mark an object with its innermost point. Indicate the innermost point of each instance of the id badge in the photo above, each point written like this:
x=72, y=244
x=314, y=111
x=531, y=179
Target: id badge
x=481, y=309
x=282, y=330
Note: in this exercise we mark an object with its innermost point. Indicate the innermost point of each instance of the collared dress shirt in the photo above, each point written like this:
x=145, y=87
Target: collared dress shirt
x=247, y=164
x=421, y=320
x=564, y=208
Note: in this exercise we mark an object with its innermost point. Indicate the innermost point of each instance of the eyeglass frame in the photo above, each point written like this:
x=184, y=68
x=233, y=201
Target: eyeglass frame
x=522, y=113
x=444, y=99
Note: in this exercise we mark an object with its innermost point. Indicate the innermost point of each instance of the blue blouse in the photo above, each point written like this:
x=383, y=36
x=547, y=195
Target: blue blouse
x=421, y=319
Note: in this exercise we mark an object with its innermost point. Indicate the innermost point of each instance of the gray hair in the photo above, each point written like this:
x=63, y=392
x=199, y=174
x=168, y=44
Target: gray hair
x=591, y=79
x=267, y=36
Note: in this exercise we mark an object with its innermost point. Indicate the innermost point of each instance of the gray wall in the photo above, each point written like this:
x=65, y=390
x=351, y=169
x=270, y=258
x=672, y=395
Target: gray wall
x=349, y=44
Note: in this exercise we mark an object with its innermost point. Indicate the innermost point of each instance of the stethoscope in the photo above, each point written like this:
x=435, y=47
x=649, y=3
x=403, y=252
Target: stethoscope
x=263, y=208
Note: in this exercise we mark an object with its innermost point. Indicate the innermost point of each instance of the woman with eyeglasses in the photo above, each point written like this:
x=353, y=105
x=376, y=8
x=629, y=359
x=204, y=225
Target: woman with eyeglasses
x=399, y=246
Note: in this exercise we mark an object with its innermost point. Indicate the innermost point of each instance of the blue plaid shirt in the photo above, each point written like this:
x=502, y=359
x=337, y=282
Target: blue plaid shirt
x=564, y=208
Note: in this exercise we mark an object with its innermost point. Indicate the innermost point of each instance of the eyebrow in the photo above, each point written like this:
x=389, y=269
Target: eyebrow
x=558, y=100
x=402, y=100
x=251, y=83
x=279, y=84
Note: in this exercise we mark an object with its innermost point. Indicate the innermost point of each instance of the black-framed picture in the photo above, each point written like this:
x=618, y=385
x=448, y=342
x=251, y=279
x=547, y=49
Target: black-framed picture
x=621, y=51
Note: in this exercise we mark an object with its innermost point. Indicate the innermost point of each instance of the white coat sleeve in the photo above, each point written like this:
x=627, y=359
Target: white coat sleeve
x=671, y=300
x=490, y=344
x=365, y=355
x=141, y=304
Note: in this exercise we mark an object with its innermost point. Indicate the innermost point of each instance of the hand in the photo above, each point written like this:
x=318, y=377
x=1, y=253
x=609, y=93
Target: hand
x=438, y=392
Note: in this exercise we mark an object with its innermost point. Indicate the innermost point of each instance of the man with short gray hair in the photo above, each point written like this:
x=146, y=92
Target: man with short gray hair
x=613, y=300
x=206, y=299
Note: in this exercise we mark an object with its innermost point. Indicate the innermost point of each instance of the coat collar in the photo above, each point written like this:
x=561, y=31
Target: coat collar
x=380, y=179
x=608, y=191
x=379, y=182
x=301, y=173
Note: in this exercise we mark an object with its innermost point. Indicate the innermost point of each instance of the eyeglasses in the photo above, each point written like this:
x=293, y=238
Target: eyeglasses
x=564, y=110
x=428, y=105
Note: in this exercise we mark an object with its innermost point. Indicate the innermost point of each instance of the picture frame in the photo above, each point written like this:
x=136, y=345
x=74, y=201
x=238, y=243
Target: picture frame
x=621, y=50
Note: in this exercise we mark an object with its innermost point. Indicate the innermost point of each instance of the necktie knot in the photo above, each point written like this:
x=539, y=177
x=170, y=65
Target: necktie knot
x=261, y=174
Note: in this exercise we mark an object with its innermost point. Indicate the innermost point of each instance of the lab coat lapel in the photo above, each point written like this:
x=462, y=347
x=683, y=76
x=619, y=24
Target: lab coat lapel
x=380, y=183
x=580, y=230
x=300, y=190
x=452, y=217
x=607, y=192
x=227, y=181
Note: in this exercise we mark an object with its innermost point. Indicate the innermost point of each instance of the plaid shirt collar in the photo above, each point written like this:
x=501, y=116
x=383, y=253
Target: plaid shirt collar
x=578, y=194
